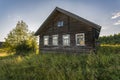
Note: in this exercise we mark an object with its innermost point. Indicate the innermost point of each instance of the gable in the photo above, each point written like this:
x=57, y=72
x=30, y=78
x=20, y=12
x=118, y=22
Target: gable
x=70, y=25
x=52, y=24
x=57, y=12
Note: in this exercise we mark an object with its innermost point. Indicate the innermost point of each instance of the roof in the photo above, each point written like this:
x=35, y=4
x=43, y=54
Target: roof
x=98, y=27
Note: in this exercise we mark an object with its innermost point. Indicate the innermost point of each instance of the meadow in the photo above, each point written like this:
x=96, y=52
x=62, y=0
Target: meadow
x=105, y=65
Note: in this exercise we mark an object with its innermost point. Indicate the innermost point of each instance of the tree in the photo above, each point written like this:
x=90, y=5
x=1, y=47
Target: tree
x=21, y=40
x=112, y=39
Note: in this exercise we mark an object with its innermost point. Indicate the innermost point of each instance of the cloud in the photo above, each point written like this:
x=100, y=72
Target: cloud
x=117, y=23
x=116, y=15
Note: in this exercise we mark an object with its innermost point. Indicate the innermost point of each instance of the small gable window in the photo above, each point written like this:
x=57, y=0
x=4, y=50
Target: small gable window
x=46, y=40
x=60, y=23
x=80, y=39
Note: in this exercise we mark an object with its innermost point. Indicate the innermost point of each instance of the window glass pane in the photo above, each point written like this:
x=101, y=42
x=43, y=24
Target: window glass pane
x=46, y=40
x=66, y=40
x=60, y=23
x=55, y=39
x=80, y=39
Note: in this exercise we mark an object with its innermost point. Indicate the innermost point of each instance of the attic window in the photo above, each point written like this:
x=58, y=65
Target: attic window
x=60, y=23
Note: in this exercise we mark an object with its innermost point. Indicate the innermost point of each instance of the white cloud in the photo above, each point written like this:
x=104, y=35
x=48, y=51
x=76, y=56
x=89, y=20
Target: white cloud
x=116, y=15
x=117, y=23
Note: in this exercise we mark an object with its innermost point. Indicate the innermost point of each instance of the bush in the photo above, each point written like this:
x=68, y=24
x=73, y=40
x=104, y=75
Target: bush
x=25, y=47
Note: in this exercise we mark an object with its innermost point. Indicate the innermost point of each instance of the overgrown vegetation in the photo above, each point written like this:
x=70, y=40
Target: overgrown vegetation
x=20, y=40
x=102, y=66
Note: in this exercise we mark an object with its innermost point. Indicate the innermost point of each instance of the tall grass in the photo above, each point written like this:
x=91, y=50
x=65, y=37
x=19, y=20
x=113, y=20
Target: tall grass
x=105, y=65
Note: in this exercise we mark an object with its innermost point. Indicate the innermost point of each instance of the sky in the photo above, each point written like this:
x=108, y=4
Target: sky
x=106, y=13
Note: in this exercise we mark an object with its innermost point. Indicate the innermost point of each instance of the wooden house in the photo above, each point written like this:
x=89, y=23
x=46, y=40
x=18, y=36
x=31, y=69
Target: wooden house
x=64, y=31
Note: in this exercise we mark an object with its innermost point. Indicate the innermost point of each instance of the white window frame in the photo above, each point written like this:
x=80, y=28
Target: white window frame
x=64, y=44
x=55, y=40
x=83, y=39
x=47, y=40
x=60, y=23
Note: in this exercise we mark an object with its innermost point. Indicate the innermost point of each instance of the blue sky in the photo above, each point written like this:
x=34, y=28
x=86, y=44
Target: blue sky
x=103, y=12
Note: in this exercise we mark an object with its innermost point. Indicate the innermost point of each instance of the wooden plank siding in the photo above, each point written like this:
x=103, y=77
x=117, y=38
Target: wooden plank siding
x=72, y=26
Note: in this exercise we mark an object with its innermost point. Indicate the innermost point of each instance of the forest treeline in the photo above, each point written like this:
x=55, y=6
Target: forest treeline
x=112, y=39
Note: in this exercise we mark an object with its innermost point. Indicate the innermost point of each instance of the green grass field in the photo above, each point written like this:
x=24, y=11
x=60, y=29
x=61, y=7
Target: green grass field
x=105, y=65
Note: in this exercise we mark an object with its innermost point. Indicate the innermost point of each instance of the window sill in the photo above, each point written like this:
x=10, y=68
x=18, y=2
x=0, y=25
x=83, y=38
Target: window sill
x=66, y=45
x=80, y=45
x=55, y=45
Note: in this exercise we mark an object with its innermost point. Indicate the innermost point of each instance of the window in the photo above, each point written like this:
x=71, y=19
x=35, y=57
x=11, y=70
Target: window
x=80, y=39
x=55, y=40
x=66, y=40
x=46, y=40
x=60, y=23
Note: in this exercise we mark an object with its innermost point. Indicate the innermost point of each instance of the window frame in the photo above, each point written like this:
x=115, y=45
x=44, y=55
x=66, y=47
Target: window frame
x=47, y=40
x=68, y=39
x=83, y=39
x=60, y=23
x=53, y=39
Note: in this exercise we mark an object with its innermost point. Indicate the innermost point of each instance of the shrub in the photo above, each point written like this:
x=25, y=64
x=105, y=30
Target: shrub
x=25, y=48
